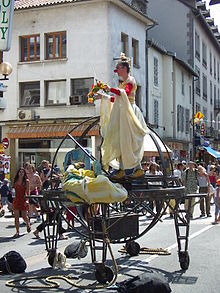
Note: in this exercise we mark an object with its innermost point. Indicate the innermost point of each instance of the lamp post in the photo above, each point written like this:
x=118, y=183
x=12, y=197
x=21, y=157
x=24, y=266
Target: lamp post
x=5, y=70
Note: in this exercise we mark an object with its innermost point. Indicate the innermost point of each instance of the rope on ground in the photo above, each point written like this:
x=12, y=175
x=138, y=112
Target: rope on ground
x=147, y=250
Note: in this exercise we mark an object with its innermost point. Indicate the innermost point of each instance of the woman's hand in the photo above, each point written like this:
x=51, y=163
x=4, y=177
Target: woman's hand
x=106, y=88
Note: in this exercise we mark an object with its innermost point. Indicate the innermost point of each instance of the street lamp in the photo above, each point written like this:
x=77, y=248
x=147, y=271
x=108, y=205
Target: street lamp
x=5, y=70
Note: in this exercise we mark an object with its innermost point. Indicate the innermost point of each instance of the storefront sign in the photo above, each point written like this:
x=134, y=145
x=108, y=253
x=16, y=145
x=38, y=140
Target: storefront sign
x=6, y=17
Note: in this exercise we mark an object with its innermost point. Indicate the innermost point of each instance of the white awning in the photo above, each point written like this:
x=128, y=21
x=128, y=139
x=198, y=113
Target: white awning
x=150, y=148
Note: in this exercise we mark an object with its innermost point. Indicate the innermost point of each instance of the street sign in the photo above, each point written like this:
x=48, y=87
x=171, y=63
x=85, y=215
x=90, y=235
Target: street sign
x=5, y=142
x=6, y=17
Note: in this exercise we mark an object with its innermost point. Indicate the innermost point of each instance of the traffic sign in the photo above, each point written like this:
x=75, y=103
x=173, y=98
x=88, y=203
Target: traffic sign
x=5, y=142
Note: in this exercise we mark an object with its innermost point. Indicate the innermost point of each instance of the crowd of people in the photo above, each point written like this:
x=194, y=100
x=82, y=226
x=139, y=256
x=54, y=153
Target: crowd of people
x=197, y=177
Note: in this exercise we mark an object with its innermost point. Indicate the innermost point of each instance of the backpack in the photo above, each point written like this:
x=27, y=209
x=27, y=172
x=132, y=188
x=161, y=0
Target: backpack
x=12, y=262
x=145, y=283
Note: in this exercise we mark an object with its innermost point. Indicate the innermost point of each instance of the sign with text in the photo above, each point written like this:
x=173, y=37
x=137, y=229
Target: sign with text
x=5, y=142
x=6, y=17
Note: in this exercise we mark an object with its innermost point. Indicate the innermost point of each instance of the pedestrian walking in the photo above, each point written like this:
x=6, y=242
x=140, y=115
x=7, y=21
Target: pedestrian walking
x=20, y=203
x=190, y=181
x=204, y=187
x=217, y=202
x=4, y=192
x=35, y=185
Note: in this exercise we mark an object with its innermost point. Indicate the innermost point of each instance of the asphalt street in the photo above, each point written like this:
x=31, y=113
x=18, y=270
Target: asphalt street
x=202, y=275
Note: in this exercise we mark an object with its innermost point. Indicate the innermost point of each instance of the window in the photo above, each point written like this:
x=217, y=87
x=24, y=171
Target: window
x=180, y=118
x=29, y=94
x=211, y=101
x=156, y=112
x=80, y=88
x=135, y=52
x=198, y=81
x=197, y=107
x=210, y=59
x=30, y=48
x=156, y=82
x=187, y=121
x=55, y=92
x=204, y=86
x=218, y=72
x=205, y=113
x=190, y=94
x=214, y=68
x=215, y=95
x=56, y=45
x=183, y=84
x=204, y=55
x=197, y=46
x=124, y=43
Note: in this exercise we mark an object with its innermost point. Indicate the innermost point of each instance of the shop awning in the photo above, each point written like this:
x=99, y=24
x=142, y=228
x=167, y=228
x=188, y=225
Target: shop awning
x=212, y=152
x=49, y=131
x=150, y=148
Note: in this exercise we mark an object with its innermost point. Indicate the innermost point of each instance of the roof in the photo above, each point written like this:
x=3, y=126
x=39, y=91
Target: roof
x=22, y=4
x=46, y=131
x=25, y=4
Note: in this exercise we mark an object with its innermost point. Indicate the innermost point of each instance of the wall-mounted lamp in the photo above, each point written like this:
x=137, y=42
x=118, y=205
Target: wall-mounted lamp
x=5, y=70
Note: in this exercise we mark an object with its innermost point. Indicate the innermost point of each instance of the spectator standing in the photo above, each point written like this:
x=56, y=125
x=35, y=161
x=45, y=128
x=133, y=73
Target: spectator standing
x=217, y=202
x=212, y=178
x=204, y=187
x=45, y=174
x=4, y=192
x=178, y=173
x=190, y=181
x=35, y=185
x=20, y=203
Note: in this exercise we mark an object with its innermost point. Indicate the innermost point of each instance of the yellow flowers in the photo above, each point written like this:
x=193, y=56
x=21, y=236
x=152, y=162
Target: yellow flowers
x=95, y=88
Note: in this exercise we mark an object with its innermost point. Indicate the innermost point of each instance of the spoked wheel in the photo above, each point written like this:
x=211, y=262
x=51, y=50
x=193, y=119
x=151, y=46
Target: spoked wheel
x=104, y=274
x=51, y=257
x=133, y=248
x=184, y=260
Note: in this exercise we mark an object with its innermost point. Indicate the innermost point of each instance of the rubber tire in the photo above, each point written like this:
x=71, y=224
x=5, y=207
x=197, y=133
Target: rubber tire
x=104, y=276
x=51, y=256
x=184, y=260
x=133, y=248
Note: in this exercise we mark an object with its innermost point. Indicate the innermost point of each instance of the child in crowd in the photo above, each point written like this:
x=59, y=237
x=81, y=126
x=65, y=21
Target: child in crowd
x=217, y=202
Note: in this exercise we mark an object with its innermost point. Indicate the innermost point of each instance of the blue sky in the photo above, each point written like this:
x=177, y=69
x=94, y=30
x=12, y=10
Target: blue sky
x=215, y=13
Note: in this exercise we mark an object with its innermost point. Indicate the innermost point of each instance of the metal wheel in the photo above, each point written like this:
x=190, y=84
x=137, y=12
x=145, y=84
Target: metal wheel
x=133, y=248
x=184, y=260
x=104, y=274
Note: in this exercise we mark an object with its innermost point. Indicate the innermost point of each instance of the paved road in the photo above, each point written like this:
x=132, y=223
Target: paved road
x=202, y=275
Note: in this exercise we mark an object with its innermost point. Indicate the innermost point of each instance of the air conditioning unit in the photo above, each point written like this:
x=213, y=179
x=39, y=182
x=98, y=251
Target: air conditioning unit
x=25, y=114
x=76, y=99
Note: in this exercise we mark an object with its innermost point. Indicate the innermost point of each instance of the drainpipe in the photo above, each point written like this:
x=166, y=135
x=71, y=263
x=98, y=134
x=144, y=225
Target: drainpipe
x=146, y=69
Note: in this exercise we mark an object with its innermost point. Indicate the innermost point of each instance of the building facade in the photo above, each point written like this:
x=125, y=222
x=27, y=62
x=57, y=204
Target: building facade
x=58, y=50
x=186, y=28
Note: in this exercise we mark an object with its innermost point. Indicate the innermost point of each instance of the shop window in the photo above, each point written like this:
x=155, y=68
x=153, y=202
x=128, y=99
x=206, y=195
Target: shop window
x=30, y=48
x=55, y=92
x=80, y=88
x=29, y=94
x=135, y=52
x=55, y=45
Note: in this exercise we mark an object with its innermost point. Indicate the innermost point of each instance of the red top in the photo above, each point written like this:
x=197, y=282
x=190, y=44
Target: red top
x=19, y=202
x=212, y=178
x=117, y=92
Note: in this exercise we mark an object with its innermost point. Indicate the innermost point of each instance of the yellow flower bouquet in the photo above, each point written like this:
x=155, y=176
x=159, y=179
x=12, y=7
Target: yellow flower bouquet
x=94, y=90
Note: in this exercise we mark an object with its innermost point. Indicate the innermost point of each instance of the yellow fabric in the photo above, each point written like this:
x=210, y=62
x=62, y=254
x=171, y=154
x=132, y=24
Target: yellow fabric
x=124, y=136
x=85, y=189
